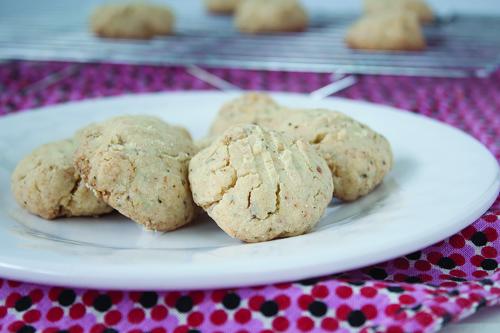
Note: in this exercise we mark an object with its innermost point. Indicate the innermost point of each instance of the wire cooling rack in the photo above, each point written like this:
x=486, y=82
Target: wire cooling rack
x=459, y=46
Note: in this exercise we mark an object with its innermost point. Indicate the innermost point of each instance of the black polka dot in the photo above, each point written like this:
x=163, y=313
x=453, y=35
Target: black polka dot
x=486, y=282
x=457, y=279
x=184, y=304
x=356, y=318
x=194, y=331
x=482, y=304
x=110, y=330
x=414, y=255
x=489, y=264
x=413, y=279
x=63, y=331
x=308, y=282
x=269, y=308
x=66, y=297
x=446, y=263
x=416, y=307
x=231, y=301
x=395, y=289
x=377, y=273
x=356, y=283
x=148, y=299
x=453, y=292
x=317, y=308
x=447, y=319
x=102, y=303
x=479, y=239
x=23, y=304
x=26, y=329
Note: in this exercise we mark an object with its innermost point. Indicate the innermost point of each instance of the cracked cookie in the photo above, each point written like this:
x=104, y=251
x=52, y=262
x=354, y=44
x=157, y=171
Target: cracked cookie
x=270, y=16
x=139, y=166
x=133, y=21
x=46, y=184
x=357, y=156
x=259, y=184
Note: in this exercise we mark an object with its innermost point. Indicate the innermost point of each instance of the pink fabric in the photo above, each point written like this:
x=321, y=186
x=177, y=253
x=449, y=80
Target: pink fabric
x=419, y=292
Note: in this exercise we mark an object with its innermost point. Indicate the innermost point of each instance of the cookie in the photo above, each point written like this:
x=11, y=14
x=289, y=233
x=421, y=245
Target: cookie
x=391, y=31
x=357, y=156
x=259, y=184
x=132, y=21
x=418, y=7
x=222, y=6
x=251, y=108
x=46, y=184
x=270, y=16
x=139, y=166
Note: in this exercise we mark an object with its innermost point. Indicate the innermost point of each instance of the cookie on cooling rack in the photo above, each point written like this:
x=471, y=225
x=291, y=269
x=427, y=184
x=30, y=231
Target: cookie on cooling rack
x=46, y=184
x=418, y=7
x=138, y=20
x=260, y=184
x=139, y=166
x=264, y=16
x=389, y=31
x=222, y=6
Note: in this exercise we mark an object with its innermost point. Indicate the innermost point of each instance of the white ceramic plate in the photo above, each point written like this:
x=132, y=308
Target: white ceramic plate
x=442, y=180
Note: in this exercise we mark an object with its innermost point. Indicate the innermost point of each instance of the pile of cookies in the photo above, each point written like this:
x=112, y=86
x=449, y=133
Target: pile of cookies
x=390, y=25
x=266, y=171
x=143, y=20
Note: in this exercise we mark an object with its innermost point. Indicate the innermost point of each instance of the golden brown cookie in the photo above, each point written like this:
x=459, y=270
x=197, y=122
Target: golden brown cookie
x=250, y=108
x=260, y=184
x=418, y=7
x=138, y=20
x=139, y=166
x=391, y=31
x=46, y=184
x=357, y=156
x=222, y=6
x=270, y=16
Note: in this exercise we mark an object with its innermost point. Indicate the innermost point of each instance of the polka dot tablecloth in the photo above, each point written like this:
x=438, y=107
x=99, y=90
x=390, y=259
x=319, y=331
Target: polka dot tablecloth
x=420, y=292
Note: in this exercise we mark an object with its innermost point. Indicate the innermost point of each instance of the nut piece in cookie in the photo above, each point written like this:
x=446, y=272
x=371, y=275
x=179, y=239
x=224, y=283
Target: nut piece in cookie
x=46, y=184
x=390, y=31
x=224, y=7
x=270, y=16
x=357, y=156
x=132, y=21
x=139, y=166
x=260, y=184
x=418, y=7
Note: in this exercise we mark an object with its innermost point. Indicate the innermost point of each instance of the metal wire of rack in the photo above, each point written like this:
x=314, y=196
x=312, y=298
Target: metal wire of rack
x=459, y=46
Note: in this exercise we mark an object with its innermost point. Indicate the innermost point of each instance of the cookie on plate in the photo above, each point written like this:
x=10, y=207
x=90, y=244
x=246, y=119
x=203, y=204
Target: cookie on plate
x=222, y=6
x=418, y=7
x=139, y=166
x=46, y=184
x=260, y=184
x=270, y=16
x=357, y=156
x=138, y=20
x=390, y=31
x=250, y=108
